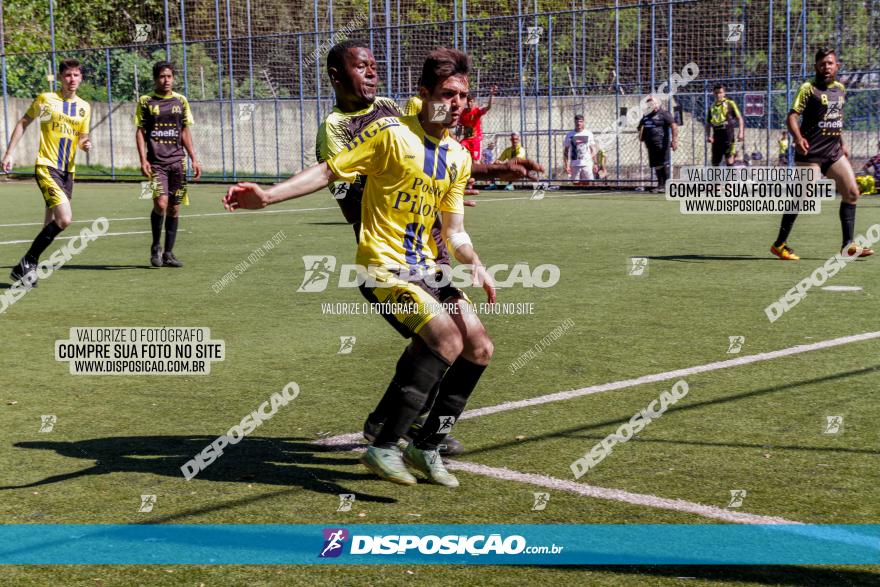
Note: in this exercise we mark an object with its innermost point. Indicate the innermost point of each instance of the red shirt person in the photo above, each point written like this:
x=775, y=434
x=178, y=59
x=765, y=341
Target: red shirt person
x=471, y=130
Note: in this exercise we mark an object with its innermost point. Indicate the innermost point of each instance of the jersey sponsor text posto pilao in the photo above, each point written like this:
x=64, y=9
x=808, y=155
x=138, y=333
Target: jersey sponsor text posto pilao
x=821, y=109
x=723, y=115
x=62, y=123
x=412, y=176
x=163, y=119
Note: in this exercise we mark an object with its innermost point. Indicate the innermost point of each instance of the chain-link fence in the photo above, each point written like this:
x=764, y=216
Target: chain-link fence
x=258, y=88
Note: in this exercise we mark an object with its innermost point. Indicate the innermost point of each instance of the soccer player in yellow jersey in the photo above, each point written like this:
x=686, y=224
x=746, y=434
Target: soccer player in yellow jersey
x=64, y=127
x=414, y=168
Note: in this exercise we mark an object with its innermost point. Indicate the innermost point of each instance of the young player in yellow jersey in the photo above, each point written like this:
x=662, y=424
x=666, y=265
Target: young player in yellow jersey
x=414, y=168
x=64, y=127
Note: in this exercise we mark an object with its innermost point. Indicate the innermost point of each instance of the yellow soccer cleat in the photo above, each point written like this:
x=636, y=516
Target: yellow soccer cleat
x=784, y=252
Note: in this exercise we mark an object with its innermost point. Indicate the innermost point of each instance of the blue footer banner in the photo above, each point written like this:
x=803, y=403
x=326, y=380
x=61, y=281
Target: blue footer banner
x=657, y=544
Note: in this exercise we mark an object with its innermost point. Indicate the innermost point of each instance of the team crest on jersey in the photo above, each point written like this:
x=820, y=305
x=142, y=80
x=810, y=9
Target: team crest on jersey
x=82, y=112
x=405, y=298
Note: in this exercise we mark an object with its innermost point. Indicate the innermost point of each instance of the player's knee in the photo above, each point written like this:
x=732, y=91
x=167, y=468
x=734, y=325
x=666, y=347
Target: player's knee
x=481, y=350
x=159, y=206
x=850, y=195
x=450, y=345
x=63, y=221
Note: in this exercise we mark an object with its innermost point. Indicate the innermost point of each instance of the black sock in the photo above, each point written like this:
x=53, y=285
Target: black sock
x=156, y=225
x=389, y=400
x=42, y=241
x=785, y=229
x=847, y=215
x=170, y=231
x=413, y=380
x=455, y=389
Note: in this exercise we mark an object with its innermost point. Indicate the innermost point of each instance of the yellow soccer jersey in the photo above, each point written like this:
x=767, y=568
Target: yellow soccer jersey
x=412, y=176
x=509, y=153
x=413, y=106
x=62, y=123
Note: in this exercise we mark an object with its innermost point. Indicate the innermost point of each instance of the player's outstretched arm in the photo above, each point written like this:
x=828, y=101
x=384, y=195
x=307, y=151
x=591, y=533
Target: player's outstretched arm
x=6, y=165
x=253, y=197
x=488, y=106
x=510, y=170
x=458, y=241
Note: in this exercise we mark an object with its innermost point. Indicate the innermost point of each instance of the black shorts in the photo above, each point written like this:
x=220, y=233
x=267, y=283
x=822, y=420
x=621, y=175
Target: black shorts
x=170, y=180
x=657, y=155
x=723, y=145
x=823, y=160
x=824, y=164
x=408, y=304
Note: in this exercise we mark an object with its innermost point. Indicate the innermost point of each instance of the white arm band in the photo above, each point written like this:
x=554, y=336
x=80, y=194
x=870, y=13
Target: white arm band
x=457, y=240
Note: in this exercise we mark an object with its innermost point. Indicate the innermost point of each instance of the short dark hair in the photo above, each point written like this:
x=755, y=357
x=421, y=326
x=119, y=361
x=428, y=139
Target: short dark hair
x=824, y=52
x=718, y=87
x=336, y=55
x=442, y=63
x=159, y=66
x=578, y=117
x=68, y=64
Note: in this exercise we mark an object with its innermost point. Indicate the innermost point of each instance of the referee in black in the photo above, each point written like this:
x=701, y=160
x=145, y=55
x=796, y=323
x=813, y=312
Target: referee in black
x=657, y=129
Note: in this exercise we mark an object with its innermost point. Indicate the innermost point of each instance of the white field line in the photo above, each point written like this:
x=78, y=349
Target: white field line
x=65, y=238
x=347, y=439
x=584, y=490
x=647, y=500
x=245, y=212
x=140, y=218
x=657, y=502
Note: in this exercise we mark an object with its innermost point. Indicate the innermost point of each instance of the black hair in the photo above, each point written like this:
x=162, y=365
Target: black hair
x=336, y=55
x=159, y=66
x=442, y=63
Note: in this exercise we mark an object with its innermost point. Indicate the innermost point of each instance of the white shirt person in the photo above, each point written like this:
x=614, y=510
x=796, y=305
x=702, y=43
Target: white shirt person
x=579, y=149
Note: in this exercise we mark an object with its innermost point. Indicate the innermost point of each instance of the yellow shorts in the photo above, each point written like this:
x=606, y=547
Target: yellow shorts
x=410, y=304
x=56, y=186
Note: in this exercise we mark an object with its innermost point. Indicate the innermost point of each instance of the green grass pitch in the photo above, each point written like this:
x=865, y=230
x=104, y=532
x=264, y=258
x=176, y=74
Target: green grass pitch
x=757, y=427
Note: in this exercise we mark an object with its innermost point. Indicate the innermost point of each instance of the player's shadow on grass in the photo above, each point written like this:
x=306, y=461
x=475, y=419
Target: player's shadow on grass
x=105, y=267
x=745, y=574
x=329, y=223
x=268, y=461
x=693, y=258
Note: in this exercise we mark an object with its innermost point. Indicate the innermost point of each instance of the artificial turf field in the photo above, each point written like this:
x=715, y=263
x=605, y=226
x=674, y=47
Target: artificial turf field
x=757, y=426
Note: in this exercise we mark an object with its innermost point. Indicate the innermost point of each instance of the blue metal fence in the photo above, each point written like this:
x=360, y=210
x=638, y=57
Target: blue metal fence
x=259, y=115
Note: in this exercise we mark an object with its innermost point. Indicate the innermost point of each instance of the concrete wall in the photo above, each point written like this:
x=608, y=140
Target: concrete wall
x=264, y=147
